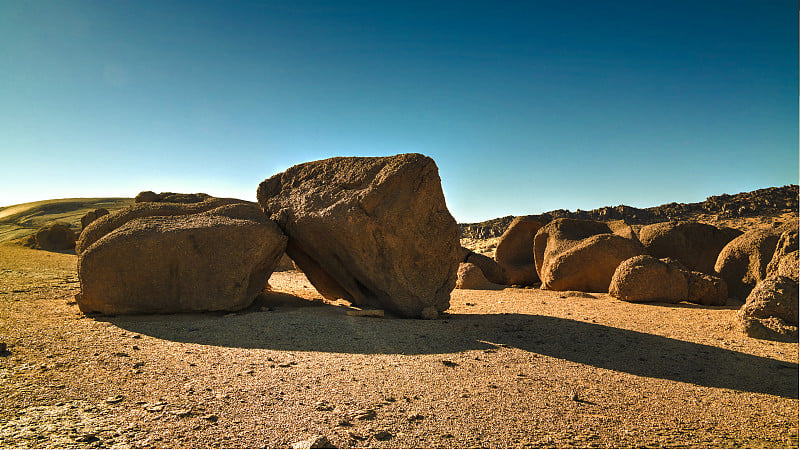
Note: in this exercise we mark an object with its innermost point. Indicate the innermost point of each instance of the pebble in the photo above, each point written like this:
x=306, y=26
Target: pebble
x=183, y=412
x=323, y=406
x=316, y=441
x=211, y=417
x=115, y=399
x=414, y=416
x=449, y=363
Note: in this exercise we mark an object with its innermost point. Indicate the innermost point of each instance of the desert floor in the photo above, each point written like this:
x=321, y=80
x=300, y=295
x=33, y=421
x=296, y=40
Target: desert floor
x=505, y=368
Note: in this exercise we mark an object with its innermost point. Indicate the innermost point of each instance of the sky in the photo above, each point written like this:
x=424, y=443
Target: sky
x=525, y=106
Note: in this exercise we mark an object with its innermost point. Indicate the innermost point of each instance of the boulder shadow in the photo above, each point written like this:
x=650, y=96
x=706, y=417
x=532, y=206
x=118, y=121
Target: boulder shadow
x=284, y=322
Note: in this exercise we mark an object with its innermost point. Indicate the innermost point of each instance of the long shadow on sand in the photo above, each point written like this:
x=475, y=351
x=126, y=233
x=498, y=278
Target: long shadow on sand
x=296, y=324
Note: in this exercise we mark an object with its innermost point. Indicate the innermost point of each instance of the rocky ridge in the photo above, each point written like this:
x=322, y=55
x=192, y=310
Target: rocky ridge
x=761, y=202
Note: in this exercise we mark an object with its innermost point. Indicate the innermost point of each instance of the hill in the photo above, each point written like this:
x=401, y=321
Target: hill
x=18, y=221
x=761, y=202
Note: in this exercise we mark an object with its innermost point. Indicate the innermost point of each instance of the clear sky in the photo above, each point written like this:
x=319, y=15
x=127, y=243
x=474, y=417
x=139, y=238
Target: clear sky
x=526, y=106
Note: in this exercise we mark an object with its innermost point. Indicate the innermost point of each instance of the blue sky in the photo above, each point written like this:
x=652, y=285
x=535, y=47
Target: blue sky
x=525, y=106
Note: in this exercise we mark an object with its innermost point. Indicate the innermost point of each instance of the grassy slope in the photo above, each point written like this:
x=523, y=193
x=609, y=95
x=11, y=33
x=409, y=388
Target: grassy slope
x=21, y=220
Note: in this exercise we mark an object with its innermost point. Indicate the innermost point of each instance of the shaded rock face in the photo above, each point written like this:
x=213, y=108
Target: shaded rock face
x=490, y=269
x=514, y=251
x=91, y=216
x=580, y=255
x=696, y=245
x=374, y=231
x=705, y=289
x=165, y=258
x=771, y=309
x=743, y=261
x=54, y=236
x=470, y=276
x=170, y=197
x=647, y=279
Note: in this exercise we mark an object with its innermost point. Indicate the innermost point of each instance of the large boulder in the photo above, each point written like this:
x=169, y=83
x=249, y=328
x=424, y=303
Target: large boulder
x=91, y=216
x=514, y=251
x=53, y=237
x=743, y=261
x=580, y=255
x=647, y=279
x=374, y=231
x=705, y=289
x=470, y=276
x=696, y=245
x=165, y=258
x=771, y=309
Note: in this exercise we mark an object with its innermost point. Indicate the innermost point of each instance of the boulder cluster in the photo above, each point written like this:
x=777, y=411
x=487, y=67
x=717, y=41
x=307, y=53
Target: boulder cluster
x=373, y=231
x=667, y=262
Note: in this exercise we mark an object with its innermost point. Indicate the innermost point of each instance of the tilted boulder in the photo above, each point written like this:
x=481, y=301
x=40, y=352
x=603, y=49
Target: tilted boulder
x=165, y=258
x=705, y=289
x=580, y=255
x=514, y=251
x=644, y=278
x=470, y=276
x=54, y=236
x=743, y=261
x=374, y=231
x=696, y=245
x=91, y=216
x=771, y=309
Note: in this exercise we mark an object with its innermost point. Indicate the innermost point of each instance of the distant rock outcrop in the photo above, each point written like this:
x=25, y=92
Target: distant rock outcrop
x=170, y=197
x=515, y=250
x=374, y=231
x=54, y=237
x=167, y=257
x=696, y=245
x=91, y=216
x=580, y=255
x=761, y=202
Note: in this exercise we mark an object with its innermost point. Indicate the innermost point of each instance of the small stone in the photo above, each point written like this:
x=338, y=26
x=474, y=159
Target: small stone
x=344, y=423
x=317, y=441
x=122, y=355
x=155, y=407
x=365, y=414
x=429, y=313
x=211, y=417
x=138, y=364
x=449, y=363
x=414, y=417
x=87, y=437
x=382, y=435
x=182, y=412
x=323, y=406
x=115, y=399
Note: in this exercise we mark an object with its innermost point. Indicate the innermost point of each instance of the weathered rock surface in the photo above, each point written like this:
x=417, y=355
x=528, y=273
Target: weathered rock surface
x=696, y=245
x=165, y=258
x=784, y=259
x=580, y=255
x=743, y=261
x=170, y=197
x=515, y=250
x=91, y=216
x=470, y=276
x=54, y=236
x=705, y=289
x=647, y=279
x=374, y=231
x=771, y=309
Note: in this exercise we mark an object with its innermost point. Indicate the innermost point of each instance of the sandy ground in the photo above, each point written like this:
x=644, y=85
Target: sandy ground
x=506, y=368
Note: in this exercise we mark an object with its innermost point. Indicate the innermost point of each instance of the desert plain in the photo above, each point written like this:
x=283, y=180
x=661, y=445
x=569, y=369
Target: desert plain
x=504, y=368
